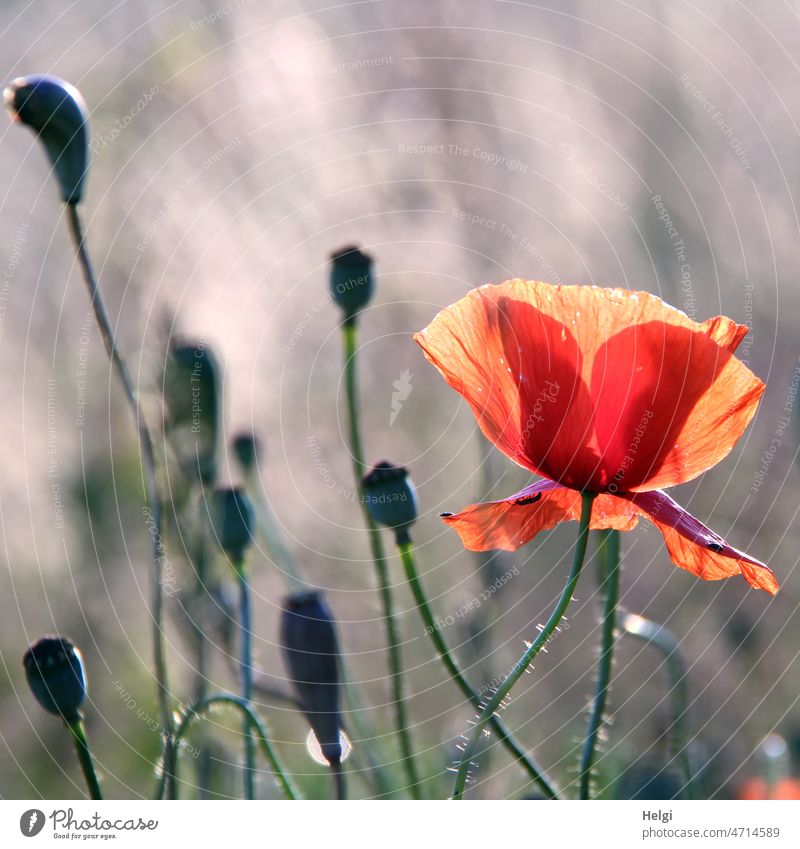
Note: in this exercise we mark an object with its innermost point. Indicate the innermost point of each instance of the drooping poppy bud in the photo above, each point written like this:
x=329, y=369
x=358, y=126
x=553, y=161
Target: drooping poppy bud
x=192, y=399
x=247, y=448
x=234, y=523
x=56, y=676
x=352, y=280
x=311, y=655
x=391, y=498
x=55, y=111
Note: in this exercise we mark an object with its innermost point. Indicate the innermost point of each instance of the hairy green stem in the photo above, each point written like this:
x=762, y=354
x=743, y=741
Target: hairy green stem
x=255, y=728
x=535, y=773
x=350, y=336
x=150, y=487
x=609, y=587
x=535, y=647
x=662, y=639
x=78, y=733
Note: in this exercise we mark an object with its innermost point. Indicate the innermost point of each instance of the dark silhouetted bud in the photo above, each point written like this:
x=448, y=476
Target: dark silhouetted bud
x=233, y=522
x=247, y=449
x=311, y=655
x=55, y=673
x=352, y=280
x=192, y=400
x=55, y=111
x=391, y=498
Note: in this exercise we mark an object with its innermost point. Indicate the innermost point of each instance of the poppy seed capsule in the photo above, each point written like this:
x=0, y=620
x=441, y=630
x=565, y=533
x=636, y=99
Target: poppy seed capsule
x=247, y=448
x=234, y=522
x=311, y=655
x=391, y=498
x=352, y=280
x=55, y=673
x=55, y=111
x=192, y=402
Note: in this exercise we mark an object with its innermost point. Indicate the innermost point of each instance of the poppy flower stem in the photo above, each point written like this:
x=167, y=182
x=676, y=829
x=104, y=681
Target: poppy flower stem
x=255, y=727
x=151, y=490
x=535, y=773
x=350, y=338
x=664, y=641
x=78, y=733
x=495, y=703
x=609, y=587
x=246, y=664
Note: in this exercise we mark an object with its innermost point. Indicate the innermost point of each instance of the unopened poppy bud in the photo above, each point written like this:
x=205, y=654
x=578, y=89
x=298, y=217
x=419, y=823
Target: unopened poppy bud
x=55, y=673
x=55, y=111
x=247, y=448
x=352, y=280
x=234, y=523
x=391, y=498
x=311, y=655
x=192, y=401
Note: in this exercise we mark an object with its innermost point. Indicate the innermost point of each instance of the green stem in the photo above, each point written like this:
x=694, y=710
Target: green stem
x=78, y=734
x=246, y=657
x=151, y=488
x=609, y=587
x=495, y=703
x=255, y=728
x=350, y=335
x=665, y=641
x=450, y=664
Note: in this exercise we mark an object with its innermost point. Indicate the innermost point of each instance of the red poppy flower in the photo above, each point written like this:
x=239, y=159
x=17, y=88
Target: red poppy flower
x=598, y=390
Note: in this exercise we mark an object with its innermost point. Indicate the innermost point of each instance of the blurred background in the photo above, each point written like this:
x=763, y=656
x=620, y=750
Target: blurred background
x=647, y=145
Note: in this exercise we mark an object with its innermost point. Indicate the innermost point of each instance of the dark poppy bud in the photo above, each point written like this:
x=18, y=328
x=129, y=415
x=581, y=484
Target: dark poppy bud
x=391, y=498
x=55, y=673
x=233, y=522
x=311, y=655
x=247, y=449
x=192, y=401
x=352, y=280
x=55, y=111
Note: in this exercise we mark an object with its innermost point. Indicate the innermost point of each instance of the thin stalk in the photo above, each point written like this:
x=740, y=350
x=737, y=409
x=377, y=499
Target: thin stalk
x=275, y=544
x=339, y=783
x=609, y=587
x=535, y=647
x=350, y=335
x=246, y=657
x=79, y=738
x=255, y=728
x=150, y=487
x=535, y=773
x=662, y=639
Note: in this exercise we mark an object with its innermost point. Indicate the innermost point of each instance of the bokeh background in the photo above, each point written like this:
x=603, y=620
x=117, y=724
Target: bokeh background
x=234, y=147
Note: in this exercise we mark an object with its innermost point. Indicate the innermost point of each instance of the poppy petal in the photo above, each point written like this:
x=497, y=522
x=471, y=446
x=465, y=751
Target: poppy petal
x=512, y=522
x=519, y=367
x=696, y=548
x=671, y=401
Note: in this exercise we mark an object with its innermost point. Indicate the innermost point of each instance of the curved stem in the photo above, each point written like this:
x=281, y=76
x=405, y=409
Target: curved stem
x=255, y=728
x=665, y=641
x=609, y=586
x=535, y=647
x=150, y=487
x=79, y=738
x=246, y=663
x=535, y=772
x=350, y=335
